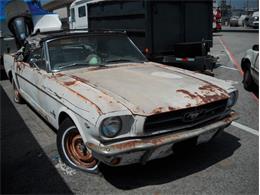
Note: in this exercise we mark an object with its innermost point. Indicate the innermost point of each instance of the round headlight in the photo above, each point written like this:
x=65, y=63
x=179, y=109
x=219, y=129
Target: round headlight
x=110, y=127
x=232, y=99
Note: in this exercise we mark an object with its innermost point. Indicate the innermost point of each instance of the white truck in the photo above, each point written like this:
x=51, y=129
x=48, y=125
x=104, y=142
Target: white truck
x=79, y=14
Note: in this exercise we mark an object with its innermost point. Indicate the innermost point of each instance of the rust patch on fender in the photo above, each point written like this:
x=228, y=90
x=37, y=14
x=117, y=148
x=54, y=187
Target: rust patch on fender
x=69, y=83
x=79, y=79
x=20, y=66
x=87, y=100
x=82, y=97
x=59, y=75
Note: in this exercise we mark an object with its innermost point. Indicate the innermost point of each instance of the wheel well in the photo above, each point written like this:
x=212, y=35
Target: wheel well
x=62, y=117
x=10, y=76
x=245, y=64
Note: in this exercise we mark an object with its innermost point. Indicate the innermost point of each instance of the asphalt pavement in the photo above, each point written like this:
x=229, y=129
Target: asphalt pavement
x=239, y=29
x=227, y=165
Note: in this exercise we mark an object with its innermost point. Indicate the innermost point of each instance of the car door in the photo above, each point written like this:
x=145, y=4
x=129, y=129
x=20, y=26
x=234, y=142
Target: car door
x=30, y=75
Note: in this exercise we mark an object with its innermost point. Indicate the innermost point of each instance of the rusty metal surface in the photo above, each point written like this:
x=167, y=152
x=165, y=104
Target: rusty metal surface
x=151, y=142
x=80, y=88
x=136, y=87
x=141, y=89
x=78, y=152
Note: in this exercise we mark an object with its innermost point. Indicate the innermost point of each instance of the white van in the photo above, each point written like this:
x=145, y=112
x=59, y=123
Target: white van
x=79, y=14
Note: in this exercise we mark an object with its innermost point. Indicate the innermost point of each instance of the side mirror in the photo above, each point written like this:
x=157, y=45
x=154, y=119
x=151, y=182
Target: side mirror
x=19, y=57
x=33, y=62
x=255, y=47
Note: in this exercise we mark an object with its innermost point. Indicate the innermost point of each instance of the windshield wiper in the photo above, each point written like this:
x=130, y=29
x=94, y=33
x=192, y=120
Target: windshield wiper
x=79, y=64
x=73, y=64
x=119, y=60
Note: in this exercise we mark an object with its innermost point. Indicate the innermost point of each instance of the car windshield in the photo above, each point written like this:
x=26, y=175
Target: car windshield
x=92, y=50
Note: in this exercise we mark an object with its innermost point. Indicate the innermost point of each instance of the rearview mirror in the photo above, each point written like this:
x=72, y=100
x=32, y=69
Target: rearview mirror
x=255, y=47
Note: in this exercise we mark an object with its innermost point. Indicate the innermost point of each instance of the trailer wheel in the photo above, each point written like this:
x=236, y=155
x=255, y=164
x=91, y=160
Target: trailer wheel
x=72, y=149
x=17, y=96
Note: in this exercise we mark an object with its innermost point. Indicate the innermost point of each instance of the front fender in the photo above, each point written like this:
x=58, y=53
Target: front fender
x=83, y=125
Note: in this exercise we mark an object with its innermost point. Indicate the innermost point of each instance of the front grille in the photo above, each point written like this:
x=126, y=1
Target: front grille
x=184, y=118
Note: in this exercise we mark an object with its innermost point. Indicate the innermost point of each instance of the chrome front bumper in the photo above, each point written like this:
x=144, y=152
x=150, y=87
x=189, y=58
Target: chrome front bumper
x=145, y=149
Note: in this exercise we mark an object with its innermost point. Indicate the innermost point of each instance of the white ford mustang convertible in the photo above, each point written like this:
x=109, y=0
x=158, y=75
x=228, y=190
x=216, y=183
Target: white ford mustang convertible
x=109, y=104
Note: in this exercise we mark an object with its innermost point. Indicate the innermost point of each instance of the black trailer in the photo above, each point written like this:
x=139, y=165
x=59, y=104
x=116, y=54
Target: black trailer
x=176, y=32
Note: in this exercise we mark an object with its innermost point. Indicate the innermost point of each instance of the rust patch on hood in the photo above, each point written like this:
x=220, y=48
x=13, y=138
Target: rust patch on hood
x=163, y=109
x=207, y=88
x=91, y=84
x=208, y=93
x=157, y=110
x=187, y=93
x=171, y=108
x=212, y=88
x=188, y=105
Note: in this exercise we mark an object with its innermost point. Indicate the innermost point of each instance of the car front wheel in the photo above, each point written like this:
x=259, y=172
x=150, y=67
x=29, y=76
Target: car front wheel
x=248, y=80
x=72, y=149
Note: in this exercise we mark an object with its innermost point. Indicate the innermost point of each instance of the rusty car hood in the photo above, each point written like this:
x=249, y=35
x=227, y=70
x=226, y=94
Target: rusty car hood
x=148, y=88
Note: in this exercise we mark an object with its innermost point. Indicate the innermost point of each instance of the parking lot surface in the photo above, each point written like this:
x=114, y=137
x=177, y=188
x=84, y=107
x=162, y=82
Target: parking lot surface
x=227, y=165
